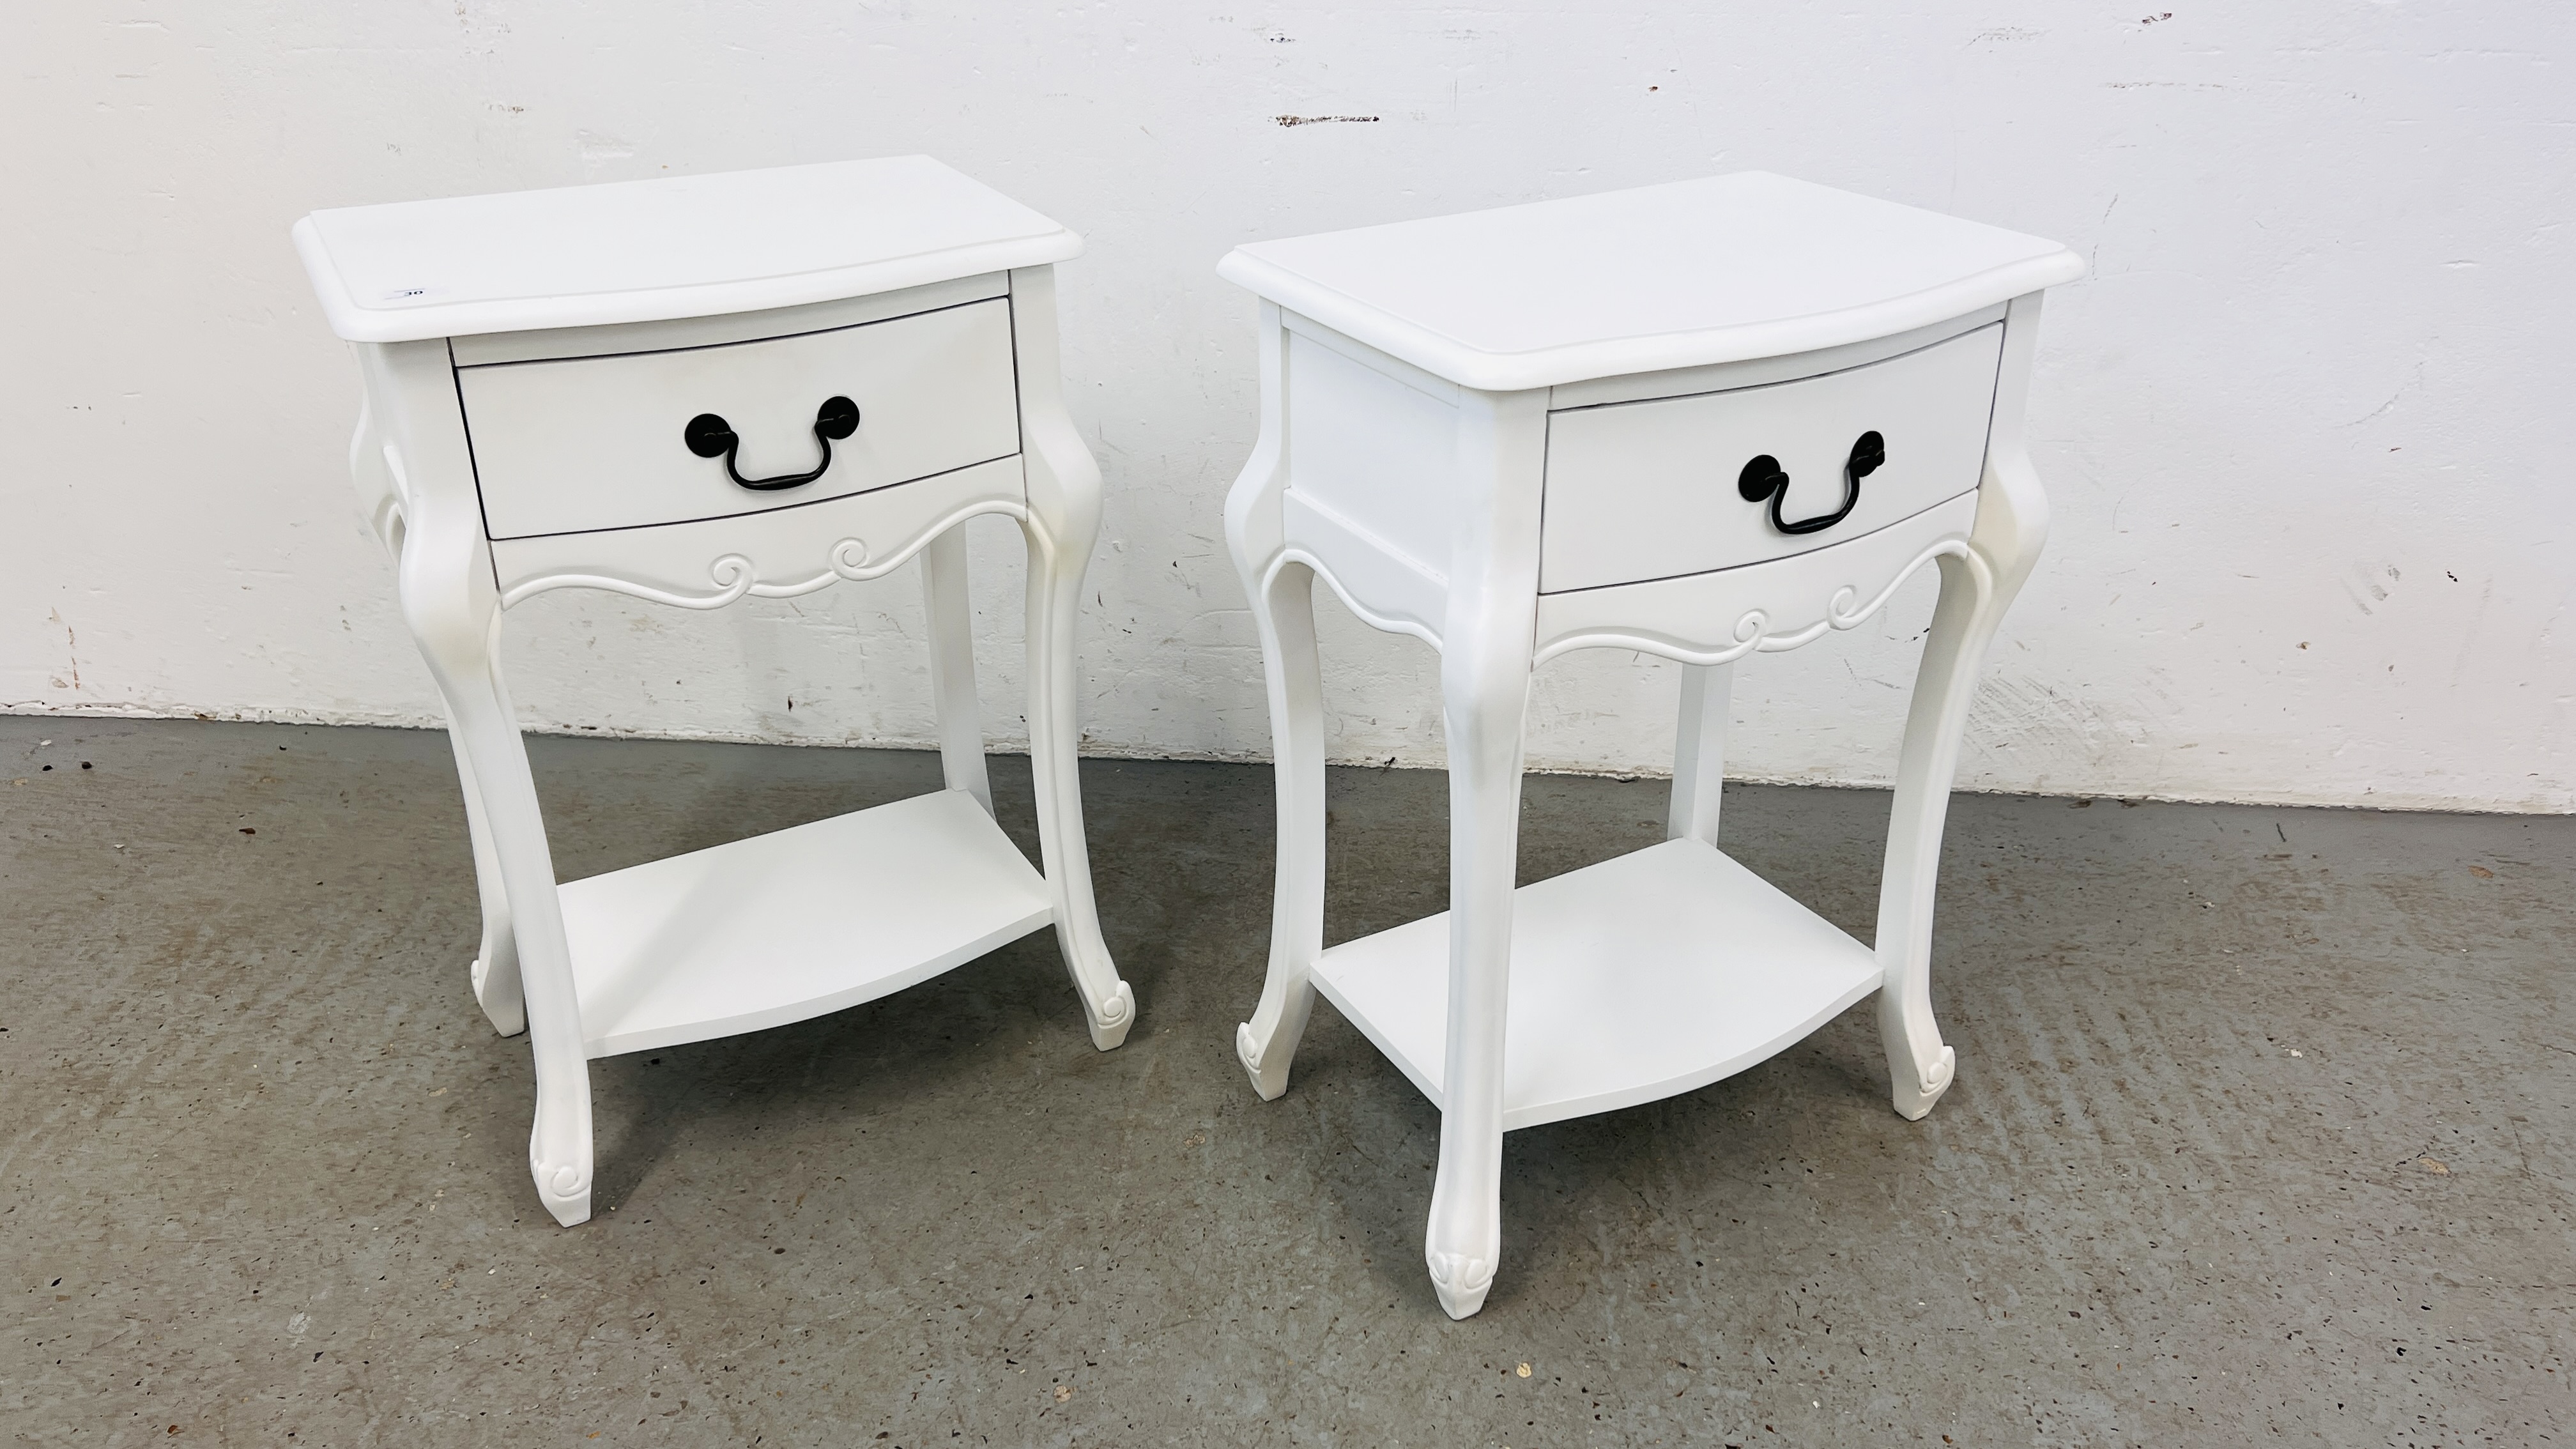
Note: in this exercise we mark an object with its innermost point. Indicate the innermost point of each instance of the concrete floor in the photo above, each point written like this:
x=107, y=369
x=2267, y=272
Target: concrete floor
x=2261, y=1133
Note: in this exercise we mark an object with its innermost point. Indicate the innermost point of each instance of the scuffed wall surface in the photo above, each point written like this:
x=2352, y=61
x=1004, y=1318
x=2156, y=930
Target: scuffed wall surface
x=2299, y=423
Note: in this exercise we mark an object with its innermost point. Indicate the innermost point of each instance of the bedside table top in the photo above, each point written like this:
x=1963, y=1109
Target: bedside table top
x=1681, y=275
x=646, y=251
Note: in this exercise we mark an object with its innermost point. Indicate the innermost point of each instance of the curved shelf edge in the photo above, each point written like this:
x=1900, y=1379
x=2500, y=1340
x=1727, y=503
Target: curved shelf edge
x=794, y=924
x=1636, y=979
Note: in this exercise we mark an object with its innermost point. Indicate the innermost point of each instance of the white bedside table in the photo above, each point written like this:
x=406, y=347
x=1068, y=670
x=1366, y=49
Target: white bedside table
x=689, y=391
x=1702, y=421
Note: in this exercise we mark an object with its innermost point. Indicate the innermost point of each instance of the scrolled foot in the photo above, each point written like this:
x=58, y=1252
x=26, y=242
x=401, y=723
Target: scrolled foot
x=1247, y=1050
x=565, y=1190
x=508, y=1012
x=1914, y=1102
x=1462, y=1282
x=1110, y=1023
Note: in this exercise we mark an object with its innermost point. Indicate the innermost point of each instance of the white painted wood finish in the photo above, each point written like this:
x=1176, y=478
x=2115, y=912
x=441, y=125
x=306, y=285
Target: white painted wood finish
x=1518, y=433
x=1695, y=272
x=1632, y=980
x=794, y=924
x=1647, y=490
x=1375, y=442
x=1726, y=614
x=643, y=251
x=803, y=921
x=549, y=344
x=1747, y=372
x=775, y=554
x=1699, y=754
x=934, y=392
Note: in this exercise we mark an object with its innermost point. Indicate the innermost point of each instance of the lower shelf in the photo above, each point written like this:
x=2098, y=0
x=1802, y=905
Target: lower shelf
x=1635, y=979
x=794, y=924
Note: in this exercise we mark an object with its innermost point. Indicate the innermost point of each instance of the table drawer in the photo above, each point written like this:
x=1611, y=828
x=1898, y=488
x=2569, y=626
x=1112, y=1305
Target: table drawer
x=1650, y=490
x=776, y=553
x=599, y=442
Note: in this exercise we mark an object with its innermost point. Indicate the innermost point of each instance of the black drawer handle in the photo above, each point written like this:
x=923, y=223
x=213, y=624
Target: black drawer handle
x=709, y=436
x=1763, y=481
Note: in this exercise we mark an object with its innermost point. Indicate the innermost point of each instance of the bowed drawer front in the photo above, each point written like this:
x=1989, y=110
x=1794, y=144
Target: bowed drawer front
x=1650, y=490
x=600, y=442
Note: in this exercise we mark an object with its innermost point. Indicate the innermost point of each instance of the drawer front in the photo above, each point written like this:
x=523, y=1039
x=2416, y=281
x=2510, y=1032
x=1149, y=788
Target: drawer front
x=779, y=552
x=1728, y=613
x=1651, y=490
x=599, y=442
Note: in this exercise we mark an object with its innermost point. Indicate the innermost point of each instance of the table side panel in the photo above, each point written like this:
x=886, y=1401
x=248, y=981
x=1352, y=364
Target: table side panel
x=1647, y=490
x=1379, y=582
x=594, y=443
x=1374, y=450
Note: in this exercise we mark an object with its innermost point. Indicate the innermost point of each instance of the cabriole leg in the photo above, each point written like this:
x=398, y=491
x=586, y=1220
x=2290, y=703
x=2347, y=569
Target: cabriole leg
x=1975, y=590
x=951, y=622
x=457, y=633
x=1699, y=752
x=2003, y=548
x=1486, y=647
x=1919, y=1066
x=1284, y=614
x=1055, y=588
x=1485, y=680
x=496, y=966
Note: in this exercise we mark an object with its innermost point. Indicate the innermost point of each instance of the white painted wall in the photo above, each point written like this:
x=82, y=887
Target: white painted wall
x=2305, y=424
